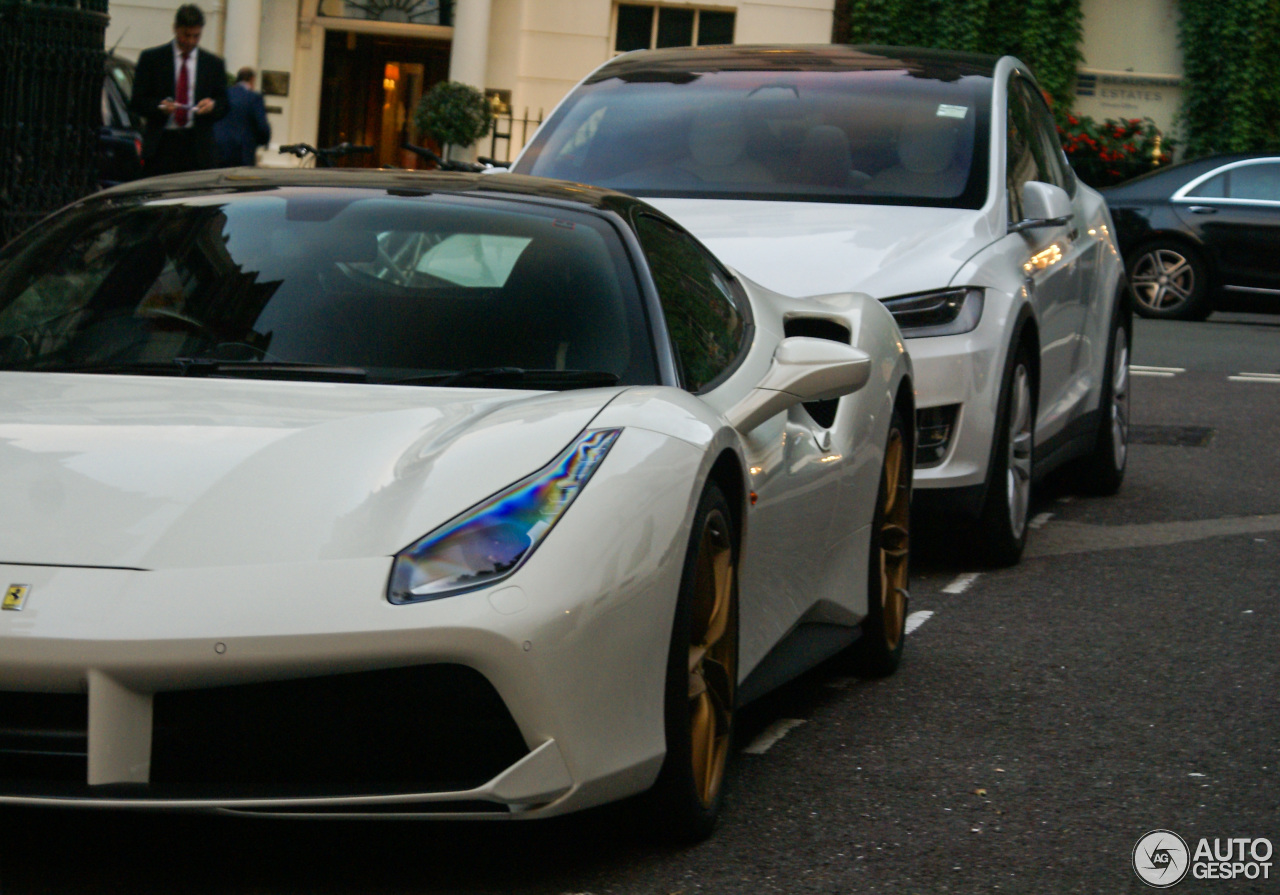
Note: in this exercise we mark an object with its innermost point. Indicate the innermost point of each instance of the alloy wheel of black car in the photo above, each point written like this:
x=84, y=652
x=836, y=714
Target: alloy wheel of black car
x=1169, y=281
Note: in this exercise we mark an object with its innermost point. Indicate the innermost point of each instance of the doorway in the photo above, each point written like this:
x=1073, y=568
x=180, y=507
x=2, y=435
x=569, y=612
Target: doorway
x=371, y=86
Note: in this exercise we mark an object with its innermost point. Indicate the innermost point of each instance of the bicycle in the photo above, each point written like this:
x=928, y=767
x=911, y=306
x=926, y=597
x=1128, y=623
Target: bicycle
x=322, y=158
x=444, y=164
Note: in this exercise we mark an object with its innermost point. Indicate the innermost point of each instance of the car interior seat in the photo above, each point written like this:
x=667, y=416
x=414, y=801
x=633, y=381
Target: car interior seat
x=933, y=160
x=718, y=150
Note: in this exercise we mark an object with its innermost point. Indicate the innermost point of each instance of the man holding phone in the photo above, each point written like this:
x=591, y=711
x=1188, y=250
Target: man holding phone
x=180, y=90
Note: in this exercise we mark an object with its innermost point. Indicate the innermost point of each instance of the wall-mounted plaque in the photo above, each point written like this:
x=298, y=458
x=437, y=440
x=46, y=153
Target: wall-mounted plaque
x=275, y=83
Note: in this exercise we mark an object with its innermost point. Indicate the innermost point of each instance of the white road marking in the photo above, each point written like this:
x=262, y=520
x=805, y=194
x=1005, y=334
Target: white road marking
x=1273, y=378
x=1040, y=520
x=916, y=619
x=1078, y=537
x=1163, y=372
x=961, y=583
x=771, y=734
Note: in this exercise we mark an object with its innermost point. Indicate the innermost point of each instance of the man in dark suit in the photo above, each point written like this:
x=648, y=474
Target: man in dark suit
x=245, y=128
x=179, y=91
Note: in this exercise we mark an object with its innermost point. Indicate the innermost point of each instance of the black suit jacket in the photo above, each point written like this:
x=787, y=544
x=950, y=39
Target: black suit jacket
x=154, y=81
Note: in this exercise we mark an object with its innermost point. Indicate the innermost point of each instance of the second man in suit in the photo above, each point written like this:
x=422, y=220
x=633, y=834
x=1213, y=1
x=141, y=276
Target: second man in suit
x=180, y=90
x=245, y=128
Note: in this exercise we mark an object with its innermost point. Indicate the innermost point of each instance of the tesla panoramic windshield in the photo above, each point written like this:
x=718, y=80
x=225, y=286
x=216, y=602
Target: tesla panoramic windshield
x=877, y=136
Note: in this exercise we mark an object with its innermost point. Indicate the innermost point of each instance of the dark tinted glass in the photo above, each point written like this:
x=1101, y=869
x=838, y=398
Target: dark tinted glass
x=715, y=28
x=1045, y=145
x=1256, y=182
x=698, y=302
x=1023, y=154
x=635, y=27
x=889, y=137
x=675, y=27
x=1213, y=188
x=397, y=286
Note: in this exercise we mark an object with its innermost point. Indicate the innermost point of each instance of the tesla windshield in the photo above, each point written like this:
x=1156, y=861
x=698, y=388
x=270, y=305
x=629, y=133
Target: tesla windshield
x=435, y=289
x=898, y=137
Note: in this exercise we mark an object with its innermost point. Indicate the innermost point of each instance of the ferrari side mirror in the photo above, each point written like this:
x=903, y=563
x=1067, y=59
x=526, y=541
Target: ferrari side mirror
x=803, y=370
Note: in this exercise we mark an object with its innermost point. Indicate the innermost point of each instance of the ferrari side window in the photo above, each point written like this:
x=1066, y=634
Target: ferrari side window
x=703, y=317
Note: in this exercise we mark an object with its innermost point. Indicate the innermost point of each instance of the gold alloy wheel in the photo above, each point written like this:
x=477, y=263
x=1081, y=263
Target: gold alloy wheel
x=713, y=657
x=895, y=540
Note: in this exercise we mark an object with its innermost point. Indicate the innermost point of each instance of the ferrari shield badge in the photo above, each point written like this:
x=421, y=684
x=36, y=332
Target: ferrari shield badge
x=16, y=596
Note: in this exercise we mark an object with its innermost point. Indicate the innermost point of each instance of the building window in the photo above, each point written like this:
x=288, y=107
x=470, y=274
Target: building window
x=411, y=12
x=647, y=27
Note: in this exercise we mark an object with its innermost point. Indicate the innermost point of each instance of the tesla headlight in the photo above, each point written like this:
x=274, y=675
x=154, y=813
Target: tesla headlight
x=489, y=541
x=945, y=313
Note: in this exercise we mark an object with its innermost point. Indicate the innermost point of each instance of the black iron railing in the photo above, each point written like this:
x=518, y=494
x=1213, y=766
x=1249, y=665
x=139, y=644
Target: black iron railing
x=51, y=58
x=509, y=134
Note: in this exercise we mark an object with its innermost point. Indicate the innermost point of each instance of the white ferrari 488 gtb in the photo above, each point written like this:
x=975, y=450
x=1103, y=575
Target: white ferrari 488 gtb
x=407, y=494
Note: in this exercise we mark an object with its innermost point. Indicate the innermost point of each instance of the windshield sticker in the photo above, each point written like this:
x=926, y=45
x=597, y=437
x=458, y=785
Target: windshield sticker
x=946, y=111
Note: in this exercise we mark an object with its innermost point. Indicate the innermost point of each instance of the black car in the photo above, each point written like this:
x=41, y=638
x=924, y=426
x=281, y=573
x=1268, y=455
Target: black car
x=1202, y=236
x=120, y=137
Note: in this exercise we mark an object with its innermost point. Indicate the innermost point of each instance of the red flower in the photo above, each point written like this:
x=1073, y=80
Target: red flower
x=1072, y=120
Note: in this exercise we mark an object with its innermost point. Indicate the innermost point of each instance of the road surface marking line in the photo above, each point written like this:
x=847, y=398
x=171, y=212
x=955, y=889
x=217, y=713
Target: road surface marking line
x=1078, y=537
x=916, y=619
x=961, y=583
x=771, y=734
x=1161, y=374
x=1143, y=368
x=1040, y=520
x=1255, y=377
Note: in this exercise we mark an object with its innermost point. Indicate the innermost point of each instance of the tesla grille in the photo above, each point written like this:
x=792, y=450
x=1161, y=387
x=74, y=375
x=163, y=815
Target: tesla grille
x=44, y=736
x=430, y=728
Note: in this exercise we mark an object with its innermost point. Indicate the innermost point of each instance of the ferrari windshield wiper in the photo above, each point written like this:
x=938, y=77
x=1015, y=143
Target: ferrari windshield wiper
x=203, y=366
x=515, y=377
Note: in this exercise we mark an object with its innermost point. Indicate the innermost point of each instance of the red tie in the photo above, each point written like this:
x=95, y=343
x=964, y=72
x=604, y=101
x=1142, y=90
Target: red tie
x=184, y=93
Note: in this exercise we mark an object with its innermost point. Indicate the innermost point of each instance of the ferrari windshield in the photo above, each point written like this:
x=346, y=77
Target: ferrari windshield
x=902, y=137
x=348, y=284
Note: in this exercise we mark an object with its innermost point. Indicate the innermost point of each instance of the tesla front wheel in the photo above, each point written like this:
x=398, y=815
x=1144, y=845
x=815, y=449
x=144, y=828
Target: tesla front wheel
x=1102, y=471
x=702, y=679
x=878, y=650
x=1001, y=532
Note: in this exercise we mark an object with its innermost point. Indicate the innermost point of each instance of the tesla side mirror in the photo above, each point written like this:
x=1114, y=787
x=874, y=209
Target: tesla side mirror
x=803, y=370
x=1043, y=205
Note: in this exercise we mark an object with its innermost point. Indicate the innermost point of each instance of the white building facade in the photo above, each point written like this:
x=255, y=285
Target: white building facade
x=353, y=70
x=335, y=70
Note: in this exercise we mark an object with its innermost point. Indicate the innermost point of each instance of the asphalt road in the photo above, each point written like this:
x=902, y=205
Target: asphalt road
x=1125, y=677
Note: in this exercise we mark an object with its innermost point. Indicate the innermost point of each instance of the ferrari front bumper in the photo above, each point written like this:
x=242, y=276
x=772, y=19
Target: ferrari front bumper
x=299, y=689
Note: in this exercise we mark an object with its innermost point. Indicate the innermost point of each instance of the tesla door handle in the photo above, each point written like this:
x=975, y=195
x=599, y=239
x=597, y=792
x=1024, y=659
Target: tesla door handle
x=1202, y=209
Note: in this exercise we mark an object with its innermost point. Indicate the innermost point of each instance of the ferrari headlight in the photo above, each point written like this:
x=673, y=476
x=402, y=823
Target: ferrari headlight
x=489, y=541
x=945, y=313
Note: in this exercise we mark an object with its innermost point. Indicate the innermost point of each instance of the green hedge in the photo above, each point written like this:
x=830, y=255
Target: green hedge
x=1231, y=90
x=1045, y=34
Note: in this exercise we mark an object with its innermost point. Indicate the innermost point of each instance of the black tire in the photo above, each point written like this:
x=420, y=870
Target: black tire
x=1101, y=472
x=1000, y=534
x=1169, y=280
x=702, y=681
x=878, y=651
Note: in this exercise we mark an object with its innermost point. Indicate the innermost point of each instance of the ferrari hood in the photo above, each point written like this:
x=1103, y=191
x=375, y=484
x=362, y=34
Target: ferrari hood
x=158, y=472
x=816, y=248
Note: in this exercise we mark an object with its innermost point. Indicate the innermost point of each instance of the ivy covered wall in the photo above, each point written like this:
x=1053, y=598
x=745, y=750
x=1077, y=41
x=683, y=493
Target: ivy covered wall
x=1045, y=34
x=1231, y=88
x=1231, y=55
